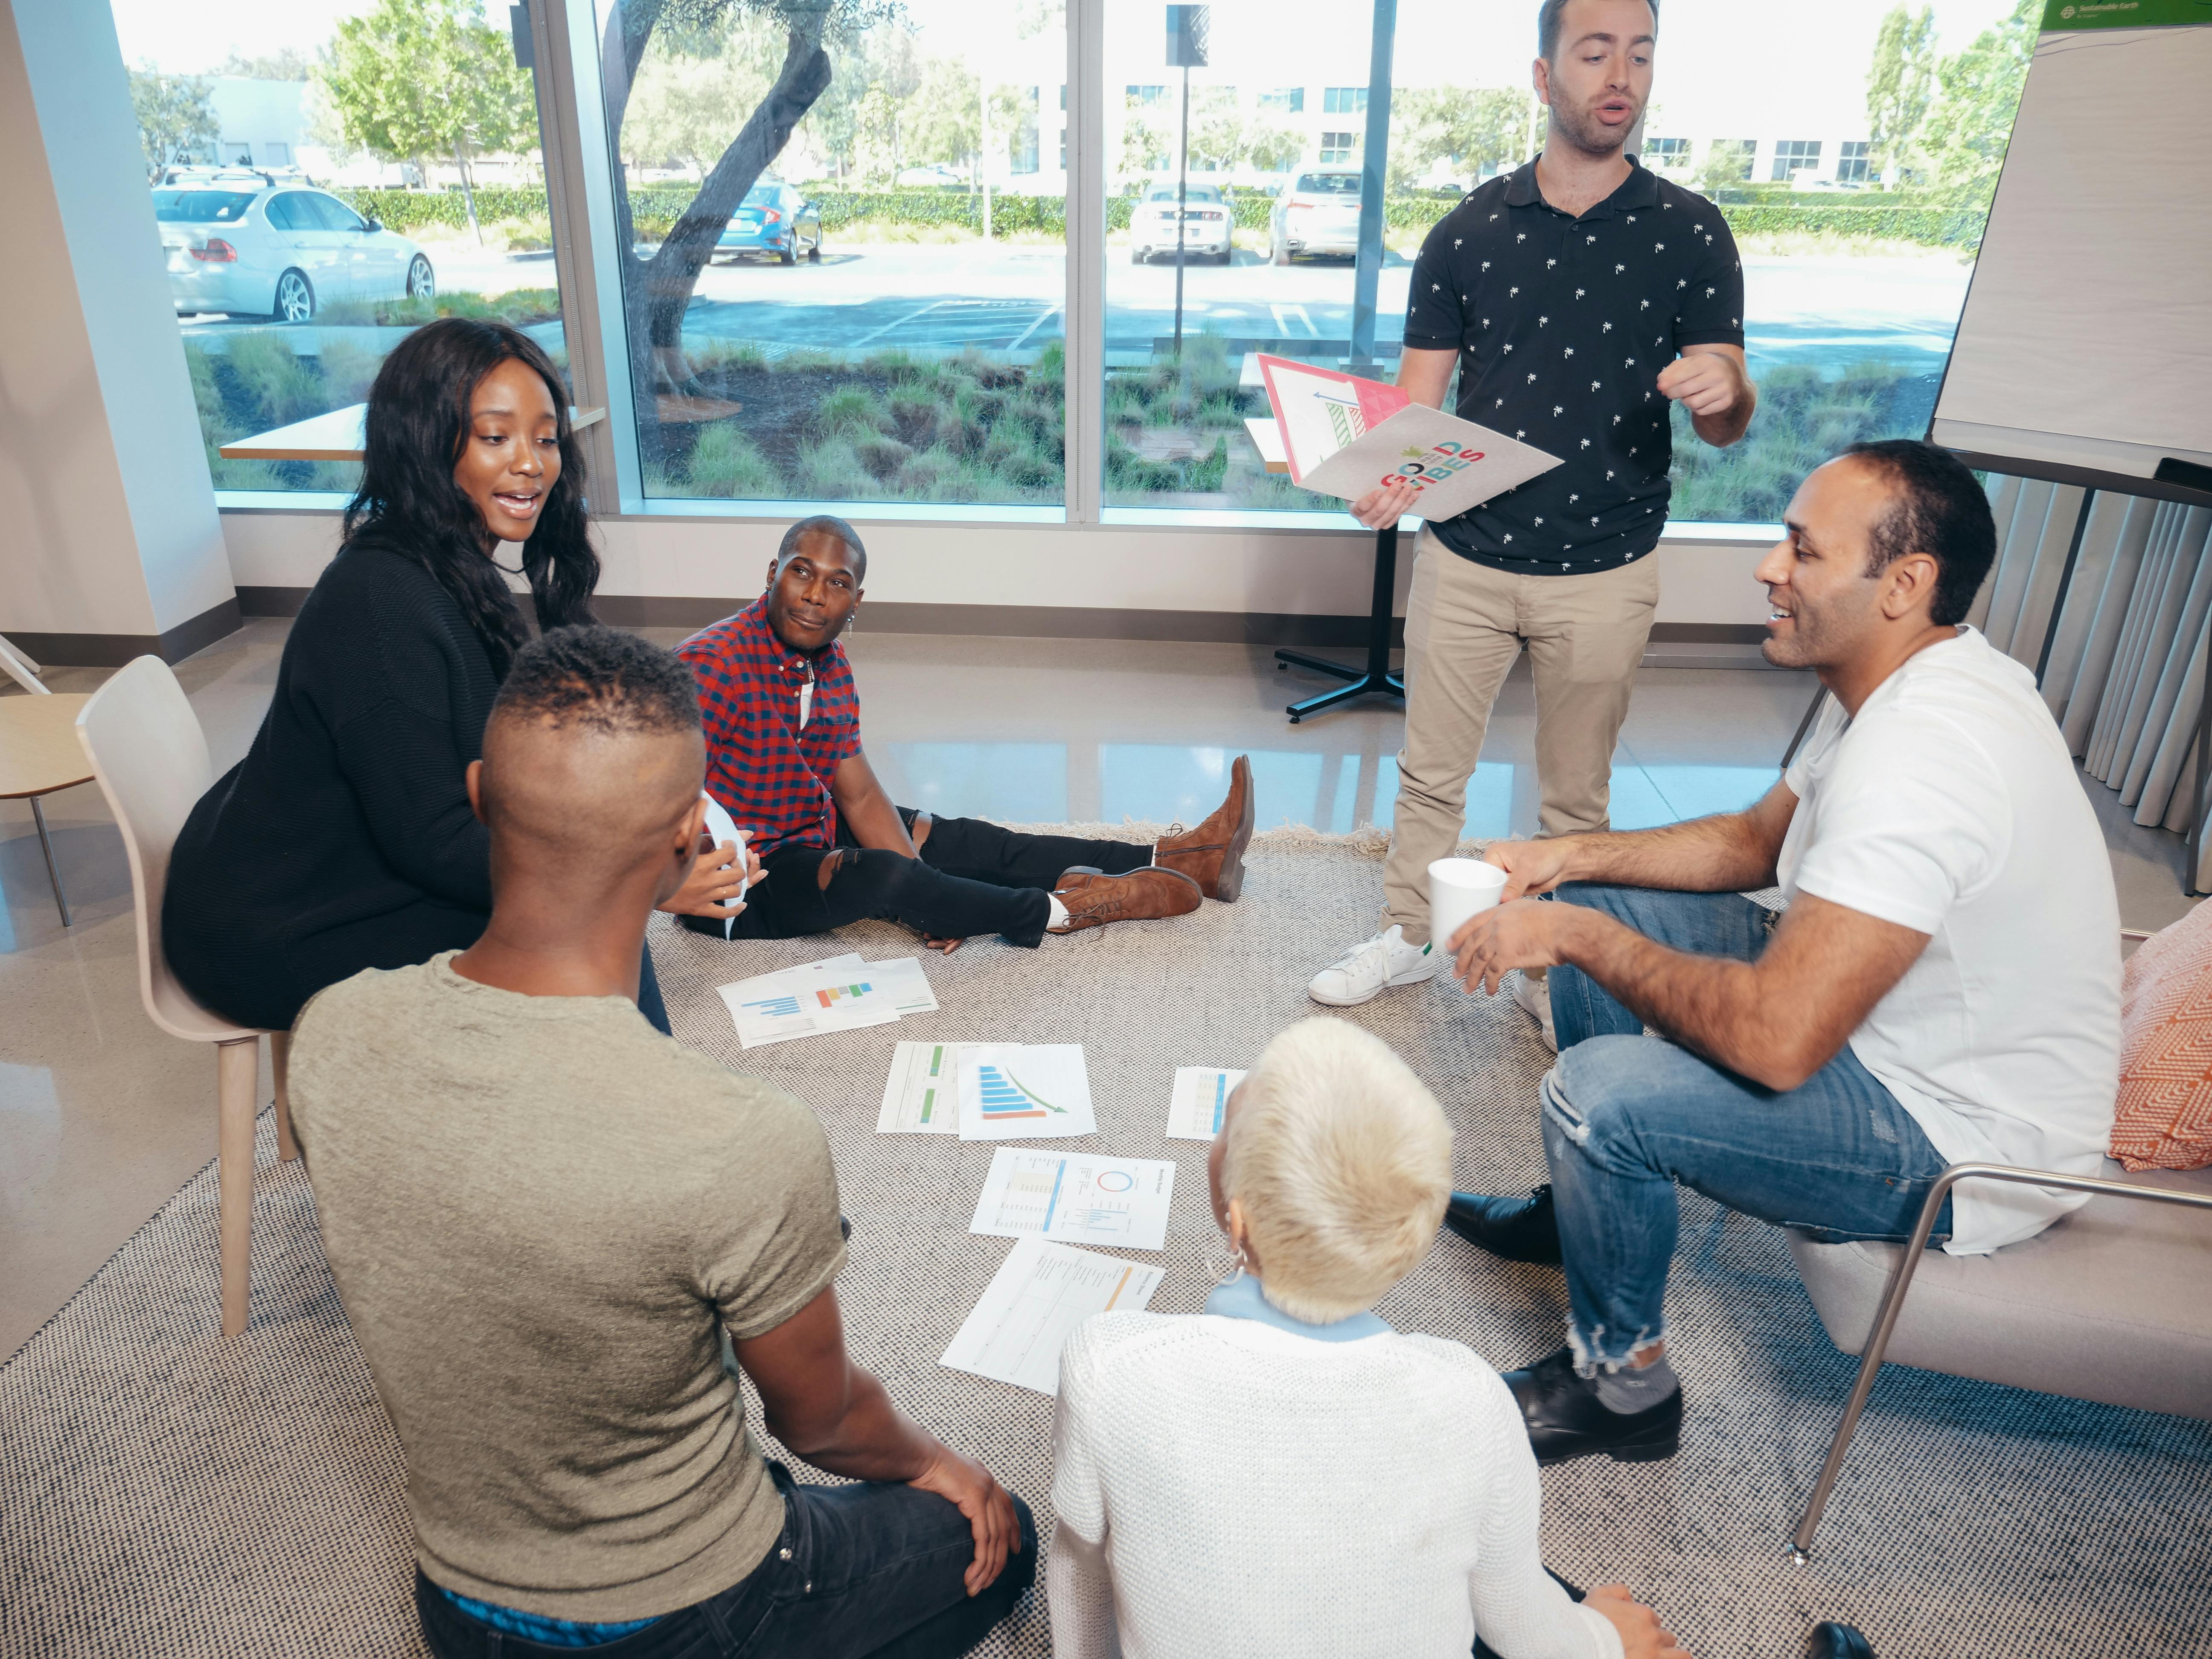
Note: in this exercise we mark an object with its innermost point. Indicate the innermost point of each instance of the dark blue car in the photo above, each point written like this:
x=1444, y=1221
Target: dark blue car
x=774, y=218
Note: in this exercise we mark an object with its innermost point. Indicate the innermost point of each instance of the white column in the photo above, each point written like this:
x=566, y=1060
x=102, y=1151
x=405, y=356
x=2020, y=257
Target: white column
x=111, y=546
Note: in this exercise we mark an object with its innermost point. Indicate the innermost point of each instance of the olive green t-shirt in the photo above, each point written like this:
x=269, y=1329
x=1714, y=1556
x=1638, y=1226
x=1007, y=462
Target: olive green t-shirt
x=541, y=1214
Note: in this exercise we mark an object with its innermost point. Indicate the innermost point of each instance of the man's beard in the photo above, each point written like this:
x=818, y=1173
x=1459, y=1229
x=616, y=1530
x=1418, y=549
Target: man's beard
x=1581, y=129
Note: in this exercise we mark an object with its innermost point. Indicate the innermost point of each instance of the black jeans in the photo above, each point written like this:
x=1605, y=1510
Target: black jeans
x=974, y=878
x=871, y=1570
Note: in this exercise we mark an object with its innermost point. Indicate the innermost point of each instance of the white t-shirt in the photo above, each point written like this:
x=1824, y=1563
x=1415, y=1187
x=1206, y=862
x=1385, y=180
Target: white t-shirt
x=1950, y=806
x=1227, y=1490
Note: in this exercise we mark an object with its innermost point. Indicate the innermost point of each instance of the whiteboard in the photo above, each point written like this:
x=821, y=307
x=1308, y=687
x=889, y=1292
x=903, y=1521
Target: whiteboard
x=2086, y=336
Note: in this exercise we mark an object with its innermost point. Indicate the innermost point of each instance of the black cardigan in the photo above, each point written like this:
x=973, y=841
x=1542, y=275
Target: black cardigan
x=343, y=840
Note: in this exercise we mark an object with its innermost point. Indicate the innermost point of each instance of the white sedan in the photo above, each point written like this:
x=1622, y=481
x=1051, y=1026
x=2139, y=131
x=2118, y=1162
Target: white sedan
x=251, y=249
x=1207, y=222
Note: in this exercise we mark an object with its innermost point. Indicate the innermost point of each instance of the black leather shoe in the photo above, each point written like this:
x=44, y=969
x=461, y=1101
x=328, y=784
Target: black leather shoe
x=1566, y=1420
x=1830, y=1641
x=1518, y=1228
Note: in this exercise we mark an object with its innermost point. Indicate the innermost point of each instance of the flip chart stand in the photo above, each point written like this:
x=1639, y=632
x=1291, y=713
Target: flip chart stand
x=1376, y=678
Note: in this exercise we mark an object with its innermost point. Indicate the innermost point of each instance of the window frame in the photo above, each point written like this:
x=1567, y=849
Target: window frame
x=580, y=187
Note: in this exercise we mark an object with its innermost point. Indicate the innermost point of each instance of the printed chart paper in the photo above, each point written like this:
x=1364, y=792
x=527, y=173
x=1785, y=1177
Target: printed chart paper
x=1032, y=1306
x=1012, y=1091
x=1344, y=435
x=921, y=1097
x=1197, y=1101
x=834, y=994
x=907, y=985
x=1077, y=1196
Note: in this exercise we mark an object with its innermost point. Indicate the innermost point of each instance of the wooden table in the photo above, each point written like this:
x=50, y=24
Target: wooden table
x=38, y=754
x=340, y=436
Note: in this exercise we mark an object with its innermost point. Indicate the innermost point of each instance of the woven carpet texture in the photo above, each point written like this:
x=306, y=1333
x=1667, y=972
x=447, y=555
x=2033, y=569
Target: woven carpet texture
x=163, y=1493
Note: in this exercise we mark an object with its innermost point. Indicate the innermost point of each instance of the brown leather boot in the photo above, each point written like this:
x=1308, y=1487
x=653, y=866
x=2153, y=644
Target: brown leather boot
x=1213, y=855
x=1145, y=895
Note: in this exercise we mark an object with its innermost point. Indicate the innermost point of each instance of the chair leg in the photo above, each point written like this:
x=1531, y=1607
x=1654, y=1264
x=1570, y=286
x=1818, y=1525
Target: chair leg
x=280, y=1065
x=238, y=1071
x=54, y=871
x=1885, y=1322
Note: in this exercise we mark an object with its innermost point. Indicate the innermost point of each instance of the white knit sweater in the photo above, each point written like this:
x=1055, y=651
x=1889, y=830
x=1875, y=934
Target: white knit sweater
x=1225, y=1488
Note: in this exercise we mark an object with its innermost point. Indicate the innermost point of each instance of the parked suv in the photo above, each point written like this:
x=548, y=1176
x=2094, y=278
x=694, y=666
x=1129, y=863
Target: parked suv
x=1318, y=213
x=242, y=246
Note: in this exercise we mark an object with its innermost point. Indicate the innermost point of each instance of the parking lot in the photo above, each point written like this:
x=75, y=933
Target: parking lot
x=1826, y=311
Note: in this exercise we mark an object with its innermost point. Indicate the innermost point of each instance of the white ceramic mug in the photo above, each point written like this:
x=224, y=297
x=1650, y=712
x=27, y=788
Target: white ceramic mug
x=1460, y=888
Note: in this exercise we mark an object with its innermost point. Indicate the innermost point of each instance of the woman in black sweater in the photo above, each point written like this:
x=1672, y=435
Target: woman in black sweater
x=344, y=839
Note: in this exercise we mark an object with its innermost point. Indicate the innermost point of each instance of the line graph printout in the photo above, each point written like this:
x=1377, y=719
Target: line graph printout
x=1199, y=1100
x=1079, y=1197
x=1012, y=1090
x=921, y=1097
x=1033, y=1305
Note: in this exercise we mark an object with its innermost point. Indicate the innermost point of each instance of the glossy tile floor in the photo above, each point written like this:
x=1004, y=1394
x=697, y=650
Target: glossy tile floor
x=102, y=1117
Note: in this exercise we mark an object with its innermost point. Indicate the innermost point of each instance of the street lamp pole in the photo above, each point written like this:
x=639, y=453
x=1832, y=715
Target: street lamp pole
x=1187, y=33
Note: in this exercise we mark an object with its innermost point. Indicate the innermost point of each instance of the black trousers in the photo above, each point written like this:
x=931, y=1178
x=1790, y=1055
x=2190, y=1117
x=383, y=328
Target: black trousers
x=974, y=878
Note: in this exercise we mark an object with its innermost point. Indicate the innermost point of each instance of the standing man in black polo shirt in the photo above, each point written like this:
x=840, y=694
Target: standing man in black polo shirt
x=1578, y=297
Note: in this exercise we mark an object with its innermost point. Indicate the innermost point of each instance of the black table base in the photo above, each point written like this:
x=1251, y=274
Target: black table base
x=1376, y=678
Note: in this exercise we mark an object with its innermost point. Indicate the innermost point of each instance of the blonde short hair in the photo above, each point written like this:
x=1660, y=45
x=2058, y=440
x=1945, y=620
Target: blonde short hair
x=1341, y=1162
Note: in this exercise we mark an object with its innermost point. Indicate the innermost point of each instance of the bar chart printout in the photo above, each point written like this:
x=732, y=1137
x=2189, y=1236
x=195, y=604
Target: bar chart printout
x=1199, y=1100
x=1009, y=1090
x=1080, y=1197
x=921, y=1097
x=837, y=994
x=1033, y=1305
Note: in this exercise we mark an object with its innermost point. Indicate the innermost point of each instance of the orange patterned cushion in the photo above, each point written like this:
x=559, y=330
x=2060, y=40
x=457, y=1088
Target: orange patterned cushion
x=2164, y=1117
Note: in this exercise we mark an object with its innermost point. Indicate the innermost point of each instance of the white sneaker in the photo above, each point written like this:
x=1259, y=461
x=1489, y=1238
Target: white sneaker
x=1534, y=997
x=1367, y=969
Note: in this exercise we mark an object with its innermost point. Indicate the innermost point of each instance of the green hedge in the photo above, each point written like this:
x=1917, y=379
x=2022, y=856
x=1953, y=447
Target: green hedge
x=655, y=207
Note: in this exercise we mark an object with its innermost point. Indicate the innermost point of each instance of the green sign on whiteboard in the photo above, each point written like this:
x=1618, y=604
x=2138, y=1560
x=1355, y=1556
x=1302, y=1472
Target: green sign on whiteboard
x=2123, y=14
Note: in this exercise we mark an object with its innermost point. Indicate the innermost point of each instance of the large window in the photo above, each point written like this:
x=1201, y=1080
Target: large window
x=875, y=310
x=879, y=318
x=310, y=221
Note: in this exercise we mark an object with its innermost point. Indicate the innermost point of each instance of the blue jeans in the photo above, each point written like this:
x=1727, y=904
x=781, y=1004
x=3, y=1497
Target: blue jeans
x=874, y=1569
x=1627, y=1116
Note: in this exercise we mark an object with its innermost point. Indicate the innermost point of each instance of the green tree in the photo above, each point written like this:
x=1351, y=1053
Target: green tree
x=1900, y=83
x=657, y=288
x=176, y=122
x=1970, y=125
x=690, y=98
x=945, y=115
x=1473, y=129
x=1272, y=147
x=417, y=78
x=1220, y=139
x=1727, y=162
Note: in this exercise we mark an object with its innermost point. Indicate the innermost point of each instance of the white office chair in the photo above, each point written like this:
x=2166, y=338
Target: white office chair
x=151, y=759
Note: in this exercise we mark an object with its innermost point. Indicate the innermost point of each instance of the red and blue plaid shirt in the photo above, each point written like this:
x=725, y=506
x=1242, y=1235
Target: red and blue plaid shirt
x=773, y=777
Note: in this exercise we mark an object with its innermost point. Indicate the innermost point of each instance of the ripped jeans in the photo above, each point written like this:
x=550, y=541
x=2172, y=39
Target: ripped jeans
x=1627, y=1116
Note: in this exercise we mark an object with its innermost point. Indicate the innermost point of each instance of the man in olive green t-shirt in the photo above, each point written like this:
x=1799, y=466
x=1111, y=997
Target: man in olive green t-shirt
x=543, y=1216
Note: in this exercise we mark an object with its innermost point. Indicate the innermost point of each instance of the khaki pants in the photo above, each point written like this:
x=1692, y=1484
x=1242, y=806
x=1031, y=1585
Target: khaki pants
x=1465, y=624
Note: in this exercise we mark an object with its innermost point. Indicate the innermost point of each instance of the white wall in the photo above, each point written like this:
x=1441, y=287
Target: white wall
x=110, y=523
x=1109, y=567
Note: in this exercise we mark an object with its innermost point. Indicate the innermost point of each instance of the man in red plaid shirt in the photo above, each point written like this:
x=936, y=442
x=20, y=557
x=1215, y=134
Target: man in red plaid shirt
x=782, y=720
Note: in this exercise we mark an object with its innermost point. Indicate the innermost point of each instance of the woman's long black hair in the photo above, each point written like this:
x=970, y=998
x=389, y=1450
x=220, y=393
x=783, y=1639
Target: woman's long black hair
x=418, y=421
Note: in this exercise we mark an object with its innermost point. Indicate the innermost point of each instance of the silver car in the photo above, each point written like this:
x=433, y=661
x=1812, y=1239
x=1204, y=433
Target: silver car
x=250, y=249
x=1318, y=213
x=1207, y=222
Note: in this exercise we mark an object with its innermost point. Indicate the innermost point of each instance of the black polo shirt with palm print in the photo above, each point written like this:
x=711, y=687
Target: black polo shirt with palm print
x=1562, y=325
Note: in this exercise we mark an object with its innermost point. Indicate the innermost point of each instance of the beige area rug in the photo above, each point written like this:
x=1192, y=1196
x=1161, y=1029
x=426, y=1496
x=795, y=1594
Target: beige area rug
x=164, y=1493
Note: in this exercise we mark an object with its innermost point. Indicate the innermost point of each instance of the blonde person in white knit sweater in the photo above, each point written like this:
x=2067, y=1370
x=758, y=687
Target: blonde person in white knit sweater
x=1285, y=1475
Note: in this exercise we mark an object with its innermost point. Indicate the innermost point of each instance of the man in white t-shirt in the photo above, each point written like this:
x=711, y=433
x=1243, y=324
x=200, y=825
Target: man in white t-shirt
x=1943, y=985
